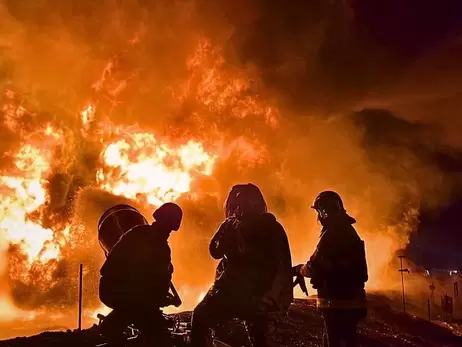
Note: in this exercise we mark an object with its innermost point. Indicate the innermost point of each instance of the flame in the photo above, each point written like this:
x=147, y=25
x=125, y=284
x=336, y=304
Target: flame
x=201, y=296
x=13, y=109
x=8, y=312
x=133, y=162
x=22, y=192
x=138, y=167
x=223, y=90
x=87, y=116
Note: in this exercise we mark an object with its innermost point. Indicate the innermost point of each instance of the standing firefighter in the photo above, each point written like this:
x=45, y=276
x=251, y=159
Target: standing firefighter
x=338, y=270
x=254, y=278
x=136, y=277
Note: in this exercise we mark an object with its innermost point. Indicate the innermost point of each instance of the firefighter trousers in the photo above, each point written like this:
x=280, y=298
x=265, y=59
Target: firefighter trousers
x=341, y=327
x=217, y=309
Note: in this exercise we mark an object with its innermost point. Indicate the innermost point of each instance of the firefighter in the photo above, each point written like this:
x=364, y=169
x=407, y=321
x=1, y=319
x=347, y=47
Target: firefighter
x=338, y=270
x=136, y=277
x=254, y=277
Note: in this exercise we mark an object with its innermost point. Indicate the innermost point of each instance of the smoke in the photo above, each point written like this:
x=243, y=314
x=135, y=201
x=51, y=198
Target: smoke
x=296, y=98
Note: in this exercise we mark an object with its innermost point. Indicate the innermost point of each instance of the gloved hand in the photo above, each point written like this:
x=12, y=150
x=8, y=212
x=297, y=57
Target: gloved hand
x=171, y=300
x=296, y=270
x=300, y=280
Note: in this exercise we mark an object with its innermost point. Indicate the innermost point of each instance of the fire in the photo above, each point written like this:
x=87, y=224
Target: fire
x=7, y=310
x=224, y=90
x=201, y=296
x=12, y=109
x=133, y=162
x=87, y=116
x=140, y=168
x=23, y=192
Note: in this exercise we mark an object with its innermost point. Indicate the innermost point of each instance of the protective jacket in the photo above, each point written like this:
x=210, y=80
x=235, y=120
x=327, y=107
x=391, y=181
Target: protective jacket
x=255, y=267
x=338, y=267
x=138, y=270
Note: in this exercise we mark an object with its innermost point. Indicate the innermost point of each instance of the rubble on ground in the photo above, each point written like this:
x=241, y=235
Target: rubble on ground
x=384, y=327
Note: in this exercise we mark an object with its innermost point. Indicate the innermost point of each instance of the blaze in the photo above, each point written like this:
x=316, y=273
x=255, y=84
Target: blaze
x=133, y=162
x=22, y=191
x=141, y=168
x=222, y=90
x=12, y=109
x=87, y=116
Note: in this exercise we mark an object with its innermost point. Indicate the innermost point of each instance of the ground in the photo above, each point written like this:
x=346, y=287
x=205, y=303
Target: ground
x=384, y=327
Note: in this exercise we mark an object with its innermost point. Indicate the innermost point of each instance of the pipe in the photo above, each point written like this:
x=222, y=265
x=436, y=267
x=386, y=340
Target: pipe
x=80, y=295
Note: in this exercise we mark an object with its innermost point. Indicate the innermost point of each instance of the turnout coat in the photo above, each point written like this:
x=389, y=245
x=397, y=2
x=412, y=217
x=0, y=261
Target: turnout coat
x=138, y=270
x=338, y=267
x=255, y=268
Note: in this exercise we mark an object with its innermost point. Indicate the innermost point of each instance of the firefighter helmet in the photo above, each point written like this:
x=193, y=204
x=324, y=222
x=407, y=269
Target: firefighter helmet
x=170, y=215
x=328, y=203
x=245, y=199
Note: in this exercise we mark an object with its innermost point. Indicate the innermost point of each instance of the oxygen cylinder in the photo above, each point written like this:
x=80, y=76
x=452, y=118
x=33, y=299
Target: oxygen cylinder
x=115, y=222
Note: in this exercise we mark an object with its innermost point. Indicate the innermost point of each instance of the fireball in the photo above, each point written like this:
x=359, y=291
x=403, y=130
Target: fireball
x=22, y=191
x=140, y=168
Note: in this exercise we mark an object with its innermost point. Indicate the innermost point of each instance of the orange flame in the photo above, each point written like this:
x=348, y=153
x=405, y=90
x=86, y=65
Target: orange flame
x=134, y=163
x=140, y=168
x=87, y=116
x=13, y=110
x=23, y=192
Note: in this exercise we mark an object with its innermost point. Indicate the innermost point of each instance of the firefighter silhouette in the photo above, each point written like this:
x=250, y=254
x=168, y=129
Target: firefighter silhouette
x=338, y=271
x=136, y=278
x=253, y=279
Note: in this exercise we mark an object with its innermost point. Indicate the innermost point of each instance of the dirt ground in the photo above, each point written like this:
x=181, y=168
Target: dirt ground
x=303, y=327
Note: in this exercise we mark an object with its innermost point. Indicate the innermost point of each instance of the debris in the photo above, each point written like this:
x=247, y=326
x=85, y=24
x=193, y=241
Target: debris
x=303, y=327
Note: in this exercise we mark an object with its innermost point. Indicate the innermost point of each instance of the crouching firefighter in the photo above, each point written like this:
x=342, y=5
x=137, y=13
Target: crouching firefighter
x=254, y=277
x=136, y=278
x=338, y=270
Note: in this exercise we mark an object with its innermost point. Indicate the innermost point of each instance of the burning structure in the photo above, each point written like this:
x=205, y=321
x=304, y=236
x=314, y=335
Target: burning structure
x=139, y=103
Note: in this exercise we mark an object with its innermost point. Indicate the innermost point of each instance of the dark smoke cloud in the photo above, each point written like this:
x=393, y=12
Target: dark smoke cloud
x=347, y=56
x=333, y=54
